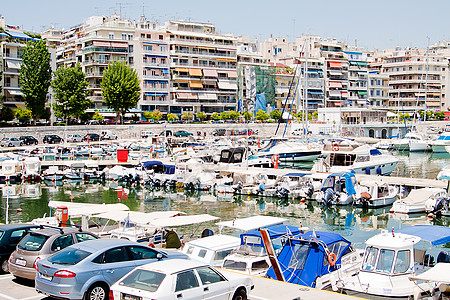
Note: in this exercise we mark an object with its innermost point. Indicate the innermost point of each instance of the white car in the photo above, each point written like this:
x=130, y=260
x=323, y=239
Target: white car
x=108, y=135
x=74, y=138
x=10, y=142
x=181, y=279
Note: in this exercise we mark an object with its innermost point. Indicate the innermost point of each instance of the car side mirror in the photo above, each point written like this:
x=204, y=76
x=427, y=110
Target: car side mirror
x=159, y=256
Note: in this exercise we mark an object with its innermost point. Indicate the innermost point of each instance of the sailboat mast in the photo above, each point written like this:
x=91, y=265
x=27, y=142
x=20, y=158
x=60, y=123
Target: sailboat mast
x=426, y=82
x=305, y=124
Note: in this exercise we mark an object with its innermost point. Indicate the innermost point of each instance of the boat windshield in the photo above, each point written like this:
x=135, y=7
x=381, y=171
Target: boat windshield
x=381, y=260
x=299, y=255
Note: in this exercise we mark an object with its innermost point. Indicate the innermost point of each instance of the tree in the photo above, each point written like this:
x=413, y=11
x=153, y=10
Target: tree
x=70, y=88
x=120, y=87
x=201, y=115
x=187, y=116
x=233, y=115
x=247, y=115
x=6, y=114
x=23, y=114
x=172, y=117
x=261, y=115
x=97, y=116
x=215, y=116
x=225, y=115
x=35, y=76
x=275, y=114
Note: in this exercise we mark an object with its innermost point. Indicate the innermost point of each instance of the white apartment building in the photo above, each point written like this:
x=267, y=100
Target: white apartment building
x=357, y=78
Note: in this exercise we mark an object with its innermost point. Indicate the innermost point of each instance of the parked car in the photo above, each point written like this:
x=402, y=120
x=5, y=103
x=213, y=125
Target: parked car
x=92, y=137
x=219, y=132
x=10, y=236
x=74, y=138
x=108, y=135
x=93, y=122
x=146, y=134
x=52, y=139
x=10, y=142
x=87, y=270
x=182, y=133
x=28, y=140
x=108, y=122
x=181, y=279
x=40, y=244
x=166, y=133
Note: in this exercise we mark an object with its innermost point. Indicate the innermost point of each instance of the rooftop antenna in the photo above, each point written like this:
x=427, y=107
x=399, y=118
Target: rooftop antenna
x=143, y=9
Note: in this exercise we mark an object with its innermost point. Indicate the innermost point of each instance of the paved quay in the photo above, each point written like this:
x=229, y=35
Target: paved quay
x=265, y=289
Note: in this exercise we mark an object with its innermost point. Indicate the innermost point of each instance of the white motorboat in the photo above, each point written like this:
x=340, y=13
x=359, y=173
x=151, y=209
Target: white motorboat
x=362, y=160
x=416, y=200
x=438, y=145
x=338, y=189
x=11, y=170
x=376, y=193
x=412, y=141
x=31, y=168
x=53, y=174
x=290, y=151
x=391, y=260
x=211, y=249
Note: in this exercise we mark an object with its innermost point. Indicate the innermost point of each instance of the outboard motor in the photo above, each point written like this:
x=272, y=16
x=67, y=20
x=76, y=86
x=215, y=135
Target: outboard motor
x=435, y=206
x=328, y=196
x=310, y=191
x=282, y=192
x=237, y=189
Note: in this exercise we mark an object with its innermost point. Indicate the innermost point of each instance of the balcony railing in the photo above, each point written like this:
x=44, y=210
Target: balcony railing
x=204, y=42
x=105, y=49
x=205, y=53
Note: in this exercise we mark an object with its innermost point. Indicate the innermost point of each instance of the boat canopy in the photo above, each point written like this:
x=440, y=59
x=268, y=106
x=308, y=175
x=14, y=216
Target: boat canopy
x=304, y=259
x=275, y=231
x=436, y=235
x=159, y=166
x=251, y=223
x=349, y=178
x=435, y=274
x=136, y=217
x=151, y=163
x=88, y=209
x=182, y=220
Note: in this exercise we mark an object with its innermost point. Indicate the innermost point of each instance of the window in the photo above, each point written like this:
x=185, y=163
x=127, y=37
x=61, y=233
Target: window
x=124, y=36
x=138, y=252
x=16, y=236
x=62, y=242
x=209, y=276
x=189, y=250
x=81, y=237
x=130, y=48
x=299, y=255
x=260, y=265
x=69, y=256
x=234, y=265
x=385, y=260
x=370, y=258
x=130, y=37
x=147, y=48
x=202, y=253
x=111, y=35
x=161, y=37
x=186, y=280
x=402, y=262
x=144, y=280
x=115, y=255
x=221, y=254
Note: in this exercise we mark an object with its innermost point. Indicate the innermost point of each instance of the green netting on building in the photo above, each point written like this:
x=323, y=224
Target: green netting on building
x=265, y=82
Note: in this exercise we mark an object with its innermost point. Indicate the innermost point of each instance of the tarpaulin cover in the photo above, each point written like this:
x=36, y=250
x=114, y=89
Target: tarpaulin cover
x=436, y=235
x=274, y=231
x=260, y=102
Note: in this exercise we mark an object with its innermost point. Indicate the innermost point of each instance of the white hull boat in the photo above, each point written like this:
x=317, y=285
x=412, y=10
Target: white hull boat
x=416, y=200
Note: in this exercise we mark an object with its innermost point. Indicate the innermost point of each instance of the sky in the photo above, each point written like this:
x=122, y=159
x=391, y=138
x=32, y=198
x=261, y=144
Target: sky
x=376, y=24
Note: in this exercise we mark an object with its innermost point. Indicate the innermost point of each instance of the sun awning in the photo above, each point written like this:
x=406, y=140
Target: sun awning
x=224, y=85
x=232, y=74
x=188, y=96
x=335, y=84
x=210, y=73
x=362, y=93
x=335, y=64
x=251, y=223
x=19, y=35
x=137, y=217
x=119, y=45
x=101, y=44
x=436, y=235
x=334, y=93
x=334, y=73
x=195, y=84
x=344, y=94
x=79, y=209
x=13, y=64
x=195, y=72
x=433, y=103
x=206, y=96
x=181, y=69
x=182, y=220
x=337, y=103
x=434, y=274
x=15, y=92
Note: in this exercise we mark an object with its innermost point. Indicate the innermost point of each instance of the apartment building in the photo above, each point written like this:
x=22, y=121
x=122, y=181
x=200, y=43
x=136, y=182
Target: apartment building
x=203, y=68
x=415, y=79
x=357, y=78
x=152, y=64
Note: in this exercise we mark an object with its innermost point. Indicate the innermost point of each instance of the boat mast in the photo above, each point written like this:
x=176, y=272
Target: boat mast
x=305, y=107
x=426, y=82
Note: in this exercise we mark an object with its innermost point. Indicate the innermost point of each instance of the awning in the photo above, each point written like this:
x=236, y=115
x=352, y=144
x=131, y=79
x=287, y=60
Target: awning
x=13, y=64
x=361, y=63
x=436, y=274
x=335, y=64
x=433, y=103
x=182, y=220
x=195, y=84
x=362, y=93
x=155, y=94
x=119, y=45
x=189, y=96
x=206, y=96
x=181, y=69
x=315, y=93
x=101, y=44
x=334, y=73
x=335, y=84
x=344, y=94
x=232, y=74
x=209, y=73
x=19, y=35
x=251, y=223
x=334, y=93
x=195, y=72
x=224, y=85
x=15, y=92
x=108, y=114
x=337, y=103
x=436, y=235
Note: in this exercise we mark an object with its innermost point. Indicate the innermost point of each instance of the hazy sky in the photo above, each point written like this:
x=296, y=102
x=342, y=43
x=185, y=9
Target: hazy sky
x=372, y=24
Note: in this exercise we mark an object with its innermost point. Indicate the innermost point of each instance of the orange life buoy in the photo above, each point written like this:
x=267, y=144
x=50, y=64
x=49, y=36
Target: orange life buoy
x=309, y=147
x=274, y=160
x=335, y=147
x=332, y=259
x=151, y=245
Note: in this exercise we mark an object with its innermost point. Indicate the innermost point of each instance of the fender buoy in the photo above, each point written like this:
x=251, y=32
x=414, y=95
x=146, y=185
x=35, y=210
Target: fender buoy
x=332, y=259
x=151, y=245
x=335, y=147
x=309, y=147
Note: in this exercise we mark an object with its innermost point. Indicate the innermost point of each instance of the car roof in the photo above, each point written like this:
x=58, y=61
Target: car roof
x=17, y=226
x=49, y=231
x=104, y=244
x=171, y=266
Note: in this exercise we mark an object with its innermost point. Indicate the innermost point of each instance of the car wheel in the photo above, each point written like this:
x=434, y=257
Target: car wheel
x=10, y=145
x=21, y=144
x=35, y=142
x=97, y=292
x=5, y=266
x=240, y=295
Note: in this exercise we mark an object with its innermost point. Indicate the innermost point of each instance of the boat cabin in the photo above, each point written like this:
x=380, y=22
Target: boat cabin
x=211, y=249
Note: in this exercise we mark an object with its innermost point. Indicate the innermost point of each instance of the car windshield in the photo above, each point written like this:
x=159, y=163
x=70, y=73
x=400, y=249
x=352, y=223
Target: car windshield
x=69, y=256
x=1, y=234
x=32, y=242
x=144, y=280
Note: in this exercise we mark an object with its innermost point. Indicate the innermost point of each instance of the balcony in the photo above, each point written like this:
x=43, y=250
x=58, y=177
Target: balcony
x=105, y=49
x=94, y=74
x=156, y=65
x=226, y=66
x=203, y=42
x=203, y=53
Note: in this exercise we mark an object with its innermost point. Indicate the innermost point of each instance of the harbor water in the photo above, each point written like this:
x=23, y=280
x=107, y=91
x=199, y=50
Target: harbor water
x=28, y=201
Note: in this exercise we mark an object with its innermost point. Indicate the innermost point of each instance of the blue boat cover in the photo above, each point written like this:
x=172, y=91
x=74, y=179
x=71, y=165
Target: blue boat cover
x=275, y=231
x=436, y=235
x=296, y=174
x=349, y=178
x=304, y=259
x=151, y=163
x=170, y=169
